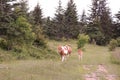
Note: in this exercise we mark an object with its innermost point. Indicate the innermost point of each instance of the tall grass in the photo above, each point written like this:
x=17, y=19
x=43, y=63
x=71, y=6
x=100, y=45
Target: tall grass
x=54, y=69
x=27, y=52
x=115, y=56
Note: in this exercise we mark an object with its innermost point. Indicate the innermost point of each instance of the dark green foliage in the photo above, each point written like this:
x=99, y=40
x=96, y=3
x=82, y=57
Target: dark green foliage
x=95, y=34
x=100, y=24
x=5, y=16
x=118, y=41
x=23, y=8
x=20, y=32
x=116, y=25
x=27, y=52
x=20, y=9
x=40, y=38
x=17, y=32
x=37, y=15
x=59, y=22
x=83, y=23
x=64, y=24
x=71, y=20
x=49, y=28
x=44, y=54
x=37, y=22
x=3, y=43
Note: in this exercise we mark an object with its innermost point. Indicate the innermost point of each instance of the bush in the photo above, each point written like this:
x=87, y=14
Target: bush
x=82, y=40
x=39, y=37
x=113, y=44
x=115, y=56
x=118, y=41
x=40, y=42
x=3, y=43
x=5, y=56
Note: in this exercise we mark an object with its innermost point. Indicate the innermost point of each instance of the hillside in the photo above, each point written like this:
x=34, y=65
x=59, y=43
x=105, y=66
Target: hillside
x=96, y=65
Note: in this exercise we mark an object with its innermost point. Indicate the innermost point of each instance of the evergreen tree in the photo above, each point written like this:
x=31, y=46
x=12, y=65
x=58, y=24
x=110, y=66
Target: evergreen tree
x=20, y=9
x=105, y=19
x=20, y=33
x=118, y=16
x=100, y=22
x=71, y=20
x=5, y=16
x=59, y=21
x=50, y=28
x=15, y=28
x=117, y=25
x=37, y=15
x=37, y=22
x=83, y=23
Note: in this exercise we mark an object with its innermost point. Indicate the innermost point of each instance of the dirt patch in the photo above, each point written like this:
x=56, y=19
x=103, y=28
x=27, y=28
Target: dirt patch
x=111, y=77
x=101, y=68
x=87, y=67
x=3, y=66
x=100, y=72
x=91, y=76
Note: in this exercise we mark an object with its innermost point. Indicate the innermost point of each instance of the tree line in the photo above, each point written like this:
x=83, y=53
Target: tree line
x=18, y=26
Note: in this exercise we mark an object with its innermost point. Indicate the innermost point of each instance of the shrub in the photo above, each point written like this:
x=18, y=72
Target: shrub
x=82, y=40
x=113, y=44
x=39, y=37
x=5, y=56
x=115, y=56
x=118, y=41
x=3, y=43
x=43, y=54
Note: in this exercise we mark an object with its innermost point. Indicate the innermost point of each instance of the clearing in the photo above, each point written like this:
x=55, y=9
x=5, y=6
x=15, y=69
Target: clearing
x=96, y=65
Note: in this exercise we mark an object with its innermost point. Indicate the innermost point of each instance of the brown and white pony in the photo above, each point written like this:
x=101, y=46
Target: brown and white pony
x=64, y=51
x=80, y=54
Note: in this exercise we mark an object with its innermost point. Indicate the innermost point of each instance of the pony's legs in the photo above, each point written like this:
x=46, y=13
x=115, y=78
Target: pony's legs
x=63, y=58
x=80, y=57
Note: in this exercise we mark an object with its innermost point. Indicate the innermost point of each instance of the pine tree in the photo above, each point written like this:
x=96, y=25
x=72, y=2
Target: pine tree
x=37, y=22
x=59, y=21
x=105, y=19
x=83, y=22
x=14, y=25
x=117, y=25
x=59, y=13
x=5, y=16
x=37, y=15
x=100, y=24
x=71, y=20
x=21, y=8
x=118, y=16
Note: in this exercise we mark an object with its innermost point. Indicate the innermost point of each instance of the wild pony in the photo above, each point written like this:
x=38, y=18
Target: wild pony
x=64, y=51
x=80, y=54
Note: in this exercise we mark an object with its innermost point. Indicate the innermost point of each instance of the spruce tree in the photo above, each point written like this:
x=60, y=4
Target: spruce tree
x=117, y=25
x=83, y=23
x=5, y=16
x=59, y=21
x=37, y=22
x=105, y=19
x=100, y=22
x=15, y=28
x=71, y=20
x=37, y=15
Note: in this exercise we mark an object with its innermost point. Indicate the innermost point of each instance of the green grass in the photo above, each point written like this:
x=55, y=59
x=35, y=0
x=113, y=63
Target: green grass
x=54, y=69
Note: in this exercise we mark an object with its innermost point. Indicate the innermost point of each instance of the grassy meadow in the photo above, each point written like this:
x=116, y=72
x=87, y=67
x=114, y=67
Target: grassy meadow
x=71, y=69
